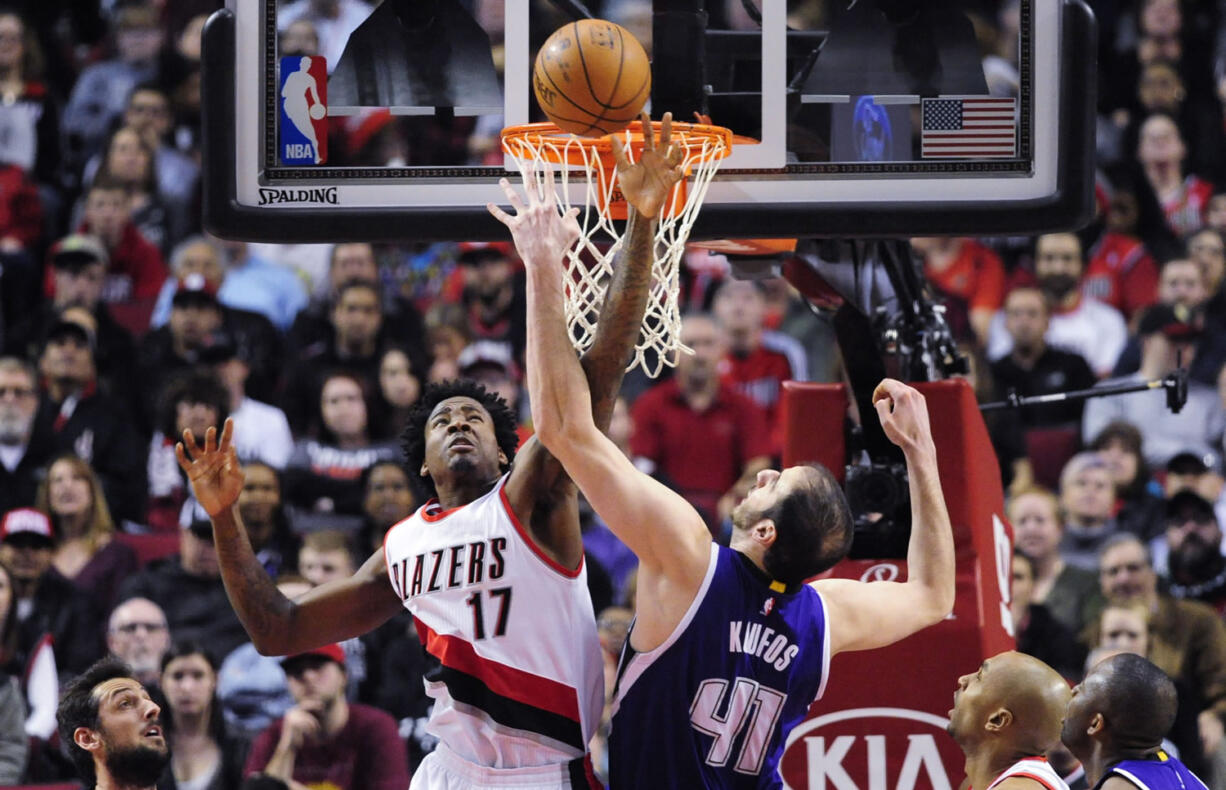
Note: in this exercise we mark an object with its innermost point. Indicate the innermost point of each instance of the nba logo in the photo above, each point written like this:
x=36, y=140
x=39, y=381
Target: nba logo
x=304, y=110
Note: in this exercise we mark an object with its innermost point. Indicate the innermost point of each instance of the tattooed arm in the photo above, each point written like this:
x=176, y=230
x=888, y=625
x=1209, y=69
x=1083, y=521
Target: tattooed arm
x=277, y=626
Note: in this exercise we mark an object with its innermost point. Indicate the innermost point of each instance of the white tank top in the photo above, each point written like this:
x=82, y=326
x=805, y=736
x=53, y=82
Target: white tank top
x=1036, y=768
x=514, y=663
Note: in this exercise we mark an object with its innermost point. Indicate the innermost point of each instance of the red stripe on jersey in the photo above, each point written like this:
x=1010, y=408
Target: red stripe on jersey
x=523, y=534
x=516, y=684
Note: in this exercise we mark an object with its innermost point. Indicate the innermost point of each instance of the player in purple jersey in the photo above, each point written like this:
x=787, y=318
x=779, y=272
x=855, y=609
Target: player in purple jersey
x=729, y=645
x=1115, y=724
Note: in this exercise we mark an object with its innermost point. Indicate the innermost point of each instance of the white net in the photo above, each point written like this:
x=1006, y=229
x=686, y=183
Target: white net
x=589, y=264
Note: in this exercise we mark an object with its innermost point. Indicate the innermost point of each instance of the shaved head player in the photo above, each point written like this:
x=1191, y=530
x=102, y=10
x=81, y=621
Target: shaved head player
x=491, y=568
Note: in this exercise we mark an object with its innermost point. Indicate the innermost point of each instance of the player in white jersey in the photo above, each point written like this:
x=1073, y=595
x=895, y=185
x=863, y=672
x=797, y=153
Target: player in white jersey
x=1007, y=717
x=492, y=567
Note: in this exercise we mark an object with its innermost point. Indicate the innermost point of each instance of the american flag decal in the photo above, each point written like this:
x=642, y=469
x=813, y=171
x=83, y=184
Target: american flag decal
x=969, y=128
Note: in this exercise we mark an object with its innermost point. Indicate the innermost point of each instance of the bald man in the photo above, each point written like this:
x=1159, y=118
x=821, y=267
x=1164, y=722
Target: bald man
x=1115, y=724
x=1006, y=717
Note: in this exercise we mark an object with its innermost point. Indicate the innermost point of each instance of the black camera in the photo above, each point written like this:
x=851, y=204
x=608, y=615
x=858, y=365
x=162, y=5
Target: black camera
x=880, y=502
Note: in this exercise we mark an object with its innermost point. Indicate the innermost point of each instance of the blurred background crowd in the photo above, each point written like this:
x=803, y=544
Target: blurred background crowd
x=123, y=324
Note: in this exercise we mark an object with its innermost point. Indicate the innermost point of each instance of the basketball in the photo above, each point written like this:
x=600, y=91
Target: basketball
x=592, y=77
x=317, y=111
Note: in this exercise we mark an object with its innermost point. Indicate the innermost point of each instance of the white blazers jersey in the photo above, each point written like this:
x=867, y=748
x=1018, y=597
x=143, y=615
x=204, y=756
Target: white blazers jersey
x=514, y=663
x=1036, y=768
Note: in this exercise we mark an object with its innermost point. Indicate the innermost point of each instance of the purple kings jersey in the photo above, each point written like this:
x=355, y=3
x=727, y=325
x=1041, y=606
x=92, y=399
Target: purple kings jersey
x=711, y=707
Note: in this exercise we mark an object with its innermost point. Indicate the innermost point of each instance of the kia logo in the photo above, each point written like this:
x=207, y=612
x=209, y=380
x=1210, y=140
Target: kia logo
x=881, y=572
x=870, y=749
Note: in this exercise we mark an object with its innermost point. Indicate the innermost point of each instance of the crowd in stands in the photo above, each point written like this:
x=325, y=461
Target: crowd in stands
x=123, y=325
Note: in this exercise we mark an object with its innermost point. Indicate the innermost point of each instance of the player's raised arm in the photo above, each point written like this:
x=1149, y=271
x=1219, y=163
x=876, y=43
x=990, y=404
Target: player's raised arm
x=277, y=626
x=539, y=491
x=656, y=523
x=868, y=615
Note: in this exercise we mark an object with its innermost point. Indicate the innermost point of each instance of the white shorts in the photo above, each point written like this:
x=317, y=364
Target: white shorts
x=443, y=769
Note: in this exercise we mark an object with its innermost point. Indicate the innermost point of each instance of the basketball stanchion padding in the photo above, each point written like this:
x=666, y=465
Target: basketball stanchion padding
x=589, y=166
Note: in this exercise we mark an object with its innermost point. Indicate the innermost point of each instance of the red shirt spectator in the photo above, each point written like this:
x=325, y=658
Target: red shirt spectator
x=970, y=277
x=21, y=211
x=1121, y=273
x=701, y=454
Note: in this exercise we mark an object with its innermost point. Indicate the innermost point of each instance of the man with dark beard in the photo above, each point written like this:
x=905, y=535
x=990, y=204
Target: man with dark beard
x=1079, y=324
x=1197, y=567
x=111, y=729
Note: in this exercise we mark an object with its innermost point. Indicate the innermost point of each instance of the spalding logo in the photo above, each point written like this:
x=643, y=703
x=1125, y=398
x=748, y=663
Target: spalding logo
x=871, y=749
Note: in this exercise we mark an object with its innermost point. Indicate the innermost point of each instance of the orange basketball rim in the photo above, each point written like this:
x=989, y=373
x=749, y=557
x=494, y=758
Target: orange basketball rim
x=703, y=145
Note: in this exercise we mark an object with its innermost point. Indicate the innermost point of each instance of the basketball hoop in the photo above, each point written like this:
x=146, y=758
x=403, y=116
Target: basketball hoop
x=703, y=147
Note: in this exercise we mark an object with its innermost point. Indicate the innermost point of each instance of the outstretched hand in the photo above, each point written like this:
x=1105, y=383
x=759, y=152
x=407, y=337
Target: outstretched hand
x=647, y=183
x=214, y=470
x=541, y=232
x=904, y=415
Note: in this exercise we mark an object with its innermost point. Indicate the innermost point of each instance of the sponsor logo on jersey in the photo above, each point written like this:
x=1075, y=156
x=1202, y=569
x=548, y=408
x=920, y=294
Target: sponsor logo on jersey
x=302, y=102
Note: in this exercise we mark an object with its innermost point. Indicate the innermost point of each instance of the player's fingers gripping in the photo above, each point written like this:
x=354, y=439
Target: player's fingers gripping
x=666, y=131
x=649, y=142
x=512, y=196
x=619, y=153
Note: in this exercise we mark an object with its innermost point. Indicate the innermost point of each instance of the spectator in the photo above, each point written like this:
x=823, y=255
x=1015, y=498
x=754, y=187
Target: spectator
x=447, y=334
x=969, y=278
x=1032, y=367
x=1167, y=337
x=87, y=554
x=81, y=420
x=196, y=316
x=489, y=363
x=47, y=602
x=399, y=387
x=1189, y=471
x=78, y=274
x=493, y=294
x=322, y=478
x=128, y=159
x=102, y=90
x=1087, y=498
x=1187, y=639
x=695, y=433
x=1161, y=153
x=326, y=555
x=14, y=748
x=1084, y=326
x=263, y=430
x=1039, y=634
x=40, y=684
x=1138, y=497
x=314, y=327
x=21, y=234
x=324, y=738
x=268, y=529
x=357, y=319
x=136, y=269
x=203, y=754
x=388, y=500
x=148, y=113
x=1207, y=248
x=188, y=588
x=33, y=144
x=1071, y=594
x=758, y=360
x=244, y=281
x=1194, y=540
x=1121, y=272
x=138, y=635
x=1183, y=287
x=23, y=454
x=194, y=402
